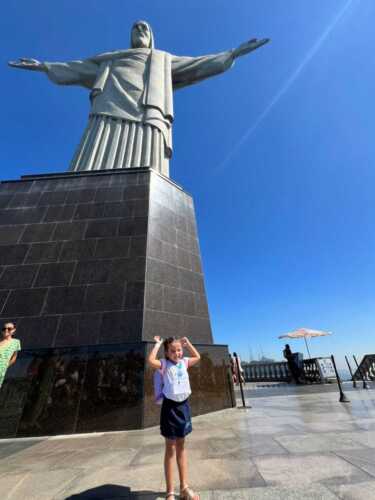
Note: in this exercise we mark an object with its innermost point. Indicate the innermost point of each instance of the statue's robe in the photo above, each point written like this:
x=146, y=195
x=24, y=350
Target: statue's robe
x=130, y=123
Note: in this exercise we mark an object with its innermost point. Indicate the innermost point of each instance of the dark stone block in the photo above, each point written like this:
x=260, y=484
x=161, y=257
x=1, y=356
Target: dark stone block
x=41, y=185
x=184, y=259
x=125, y=326
x=54, y=409
x=128, y=270
x=37, y=331
x=143, y=178
x=102, y=228
x=21, y=215
x=44, y=252
x=89, y=211
x=97, y=271
x=55, y=274
x=181, y=223
x=135, y=192
x=154, y=296
x=15, y=187
x=118, y=404
x=178, y=301
x=169, y=254
x=200, y=305
x=196, y=264
x=163, y=273
x=118, y=209
x=155, y=248
x=5, y=199
x=161, y=214
x=124, y=180
x=139, y=208
x=3, y=298
x=134, y=298
x=112, y=247
x=81, y=196
x=187, y=242
x=104, y=297
x=65, y=299
x=190, y=281
x=161, y=323
x=69, y=230
x=163, y=233
x=53, y=198
x=79, y=329
x=191, y=226
x=109, y=194
x=60, y=213
x=25, y=302
x=10, y=234
x=133, y=227
x=38, y=232
x=18, y=276
x=138, y=246
x=12, y=254
x=24, y=200
x=78, y=250
x=196, y=328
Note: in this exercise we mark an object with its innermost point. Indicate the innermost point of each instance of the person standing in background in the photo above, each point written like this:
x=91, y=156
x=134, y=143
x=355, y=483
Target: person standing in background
x=293, y=367
x=8, y=349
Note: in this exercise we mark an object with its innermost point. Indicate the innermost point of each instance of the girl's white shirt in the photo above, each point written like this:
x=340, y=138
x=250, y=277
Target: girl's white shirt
x=176, y=383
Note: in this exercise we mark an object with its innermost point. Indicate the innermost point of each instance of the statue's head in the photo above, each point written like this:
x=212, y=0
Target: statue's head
x=141, y=36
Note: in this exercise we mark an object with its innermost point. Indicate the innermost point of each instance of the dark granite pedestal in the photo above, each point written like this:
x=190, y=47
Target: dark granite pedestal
x=92, y=266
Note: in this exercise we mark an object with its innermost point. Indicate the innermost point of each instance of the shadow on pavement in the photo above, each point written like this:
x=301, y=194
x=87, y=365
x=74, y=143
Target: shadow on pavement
x=114, y=492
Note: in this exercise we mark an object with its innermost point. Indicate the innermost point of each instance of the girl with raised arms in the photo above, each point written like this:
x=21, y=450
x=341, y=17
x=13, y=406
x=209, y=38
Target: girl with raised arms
x=175, y=416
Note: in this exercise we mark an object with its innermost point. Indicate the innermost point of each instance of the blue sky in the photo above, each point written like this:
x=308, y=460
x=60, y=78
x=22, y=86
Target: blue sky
x=285, y=212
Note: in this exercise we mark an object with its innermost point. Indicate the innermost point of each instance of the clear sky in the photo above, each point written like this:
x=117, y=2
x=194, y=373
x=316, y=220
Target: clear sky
x=278, y=152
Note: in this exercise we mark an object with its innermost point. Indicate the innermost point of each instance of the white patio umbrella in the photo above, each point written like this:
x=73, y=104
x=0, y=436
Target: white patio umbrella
x=304, y=333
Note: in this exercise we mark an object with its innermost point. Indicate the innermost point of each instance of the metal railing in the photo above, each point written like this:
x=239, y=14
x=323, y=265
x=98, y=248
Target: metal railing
x=279, y=372
x=266, y=372
x=366, y=367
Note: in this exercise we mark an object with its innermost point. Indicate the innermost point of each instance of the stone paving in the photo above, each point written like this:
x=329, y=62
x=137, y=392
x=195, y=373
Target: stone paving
x=292, y=444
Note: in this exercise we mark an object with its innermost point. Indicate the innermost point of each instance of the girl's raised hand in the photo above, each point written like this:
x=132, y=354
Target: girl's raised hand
x=158, y=339
x=184, y=341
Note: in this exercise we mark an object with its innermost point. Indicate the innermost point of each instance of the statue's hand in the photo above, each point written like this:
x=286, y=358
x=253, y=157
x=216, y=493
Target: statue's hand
x=31, y=64
x=249, y=46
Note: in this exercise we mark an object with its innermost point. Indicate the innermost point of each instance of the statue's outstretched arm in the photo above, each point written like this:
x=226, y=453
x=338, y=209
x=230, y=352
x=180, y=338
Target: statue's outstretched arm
x=190, y=70
x=31, y=64
x=82, y=73
x=249, y=46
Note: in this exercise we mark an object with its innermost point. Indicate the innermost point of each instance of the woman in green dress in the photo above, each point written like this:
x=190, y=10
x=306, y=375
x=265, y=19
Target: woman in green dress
x=8, y=349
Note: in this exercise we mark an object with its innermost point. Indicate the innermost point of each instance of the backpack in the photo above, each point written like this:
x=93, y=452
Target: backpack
x=159, y=383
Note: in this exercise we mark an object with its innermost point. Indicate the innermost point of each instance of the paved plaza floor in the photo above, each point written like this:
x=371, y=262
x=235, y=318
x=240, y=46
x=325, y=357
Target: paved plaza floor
x=292, y=444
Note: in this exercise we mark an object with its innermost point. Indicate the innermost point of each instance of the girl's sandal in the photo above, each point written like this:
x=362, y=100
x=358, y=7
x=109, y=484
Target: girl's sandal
x=170, y=495
x=188, y=494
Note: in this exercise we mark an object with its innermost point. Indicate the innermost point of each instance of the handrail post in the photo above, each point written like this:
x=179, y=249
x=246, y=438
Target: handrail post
x=351, y=373
x=343, y=398
x=240, y=381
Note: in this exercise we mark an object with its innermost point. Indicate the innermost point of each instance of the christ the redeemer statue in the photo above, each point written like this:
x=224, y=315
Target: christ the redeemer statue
x=131, y=94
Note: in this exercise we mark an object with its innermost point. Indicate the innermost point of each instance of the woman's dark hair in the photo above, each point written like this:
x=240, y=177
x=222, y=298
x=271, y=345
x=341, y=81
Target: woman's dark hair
x=167, y=342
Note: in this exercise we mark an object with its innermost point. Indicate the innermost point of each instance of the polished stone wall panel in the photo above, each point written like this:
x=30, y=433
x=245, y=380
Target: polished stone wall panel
x=99, y=388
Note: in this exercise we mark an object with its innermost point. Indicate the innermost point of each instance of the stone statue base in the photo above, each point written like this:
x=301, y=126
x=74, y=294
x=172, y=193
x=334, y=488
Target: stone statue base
x=94, y=264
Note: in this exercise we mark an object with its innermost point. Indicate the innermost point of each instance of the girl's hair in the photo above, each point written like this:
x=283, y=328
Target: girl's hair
x=167, y=342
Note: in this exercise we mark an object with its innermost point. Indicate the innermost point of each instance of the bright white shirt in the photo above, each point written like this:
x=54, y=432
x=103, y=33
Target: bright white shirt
x=176, y=383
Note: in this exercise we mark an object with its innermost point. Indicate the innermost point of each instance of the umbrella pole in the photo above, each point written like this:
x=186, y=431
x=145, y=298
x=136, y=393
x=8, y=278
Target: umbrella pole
x=307, y=347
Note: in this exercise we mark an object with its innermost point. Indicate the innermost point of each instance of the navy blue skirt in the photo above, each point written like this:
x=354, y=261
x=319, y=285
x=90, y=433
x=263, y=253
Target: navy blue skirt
x=175, y=419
